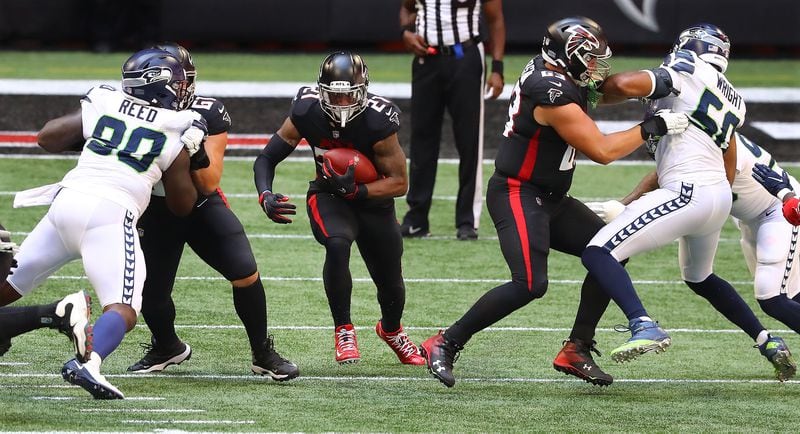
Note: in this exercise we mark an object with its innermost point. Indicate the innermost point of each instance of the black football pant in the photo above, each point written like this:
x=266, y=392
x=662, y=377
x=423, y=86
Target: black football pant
x=442, y=82
x=336, y=223
x=529, y=223
x=213, y=232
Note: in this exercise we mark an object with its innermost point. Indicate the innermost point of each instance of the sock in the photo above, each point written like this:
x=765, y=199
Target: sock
x=594, y=302
x=251, y=306
x=614, y=280
x=493, y=306
x=17, y=320
x=784, y=309
x=109, y=330
x=727, y=301
x=392, y=300
x=762, y=338
x=158, y=311
x=337, y=279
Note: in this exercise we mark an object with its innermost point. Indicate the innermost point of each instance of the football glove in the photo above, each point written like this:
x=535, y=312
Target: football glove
x=664, y=122
x=608, y=210
x=276, y=206
x=342, y=185
x=194, y=136
x=776, y=184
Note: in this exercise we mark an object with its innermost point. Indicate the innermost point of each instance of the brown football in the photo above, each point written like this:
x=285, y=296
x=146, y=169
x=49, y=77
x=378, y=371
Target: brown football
x=341, y=158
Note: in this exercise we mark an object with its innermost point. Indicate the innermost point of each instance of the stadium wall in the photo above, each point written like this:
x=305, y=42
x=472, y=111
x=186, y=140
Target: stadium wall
x=633, y=25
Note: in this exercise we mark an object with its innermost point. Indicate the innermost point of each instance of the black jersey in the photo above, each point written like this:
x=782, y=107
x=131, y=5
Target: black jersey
x=215, y=114
x=378, y=121
x=531, y=152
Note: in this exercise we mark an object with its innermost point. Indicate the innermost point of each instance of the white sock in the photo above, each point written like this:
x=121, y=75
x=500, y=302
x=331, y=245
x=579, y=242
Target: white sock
x=646, y=318
x=762, y=338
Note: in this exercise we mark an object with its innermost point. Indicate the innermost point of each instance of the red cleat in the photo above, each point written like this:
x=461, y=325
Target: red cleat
x=399, y=342
x=346, y=344
x=575, y=359
x=440, y=354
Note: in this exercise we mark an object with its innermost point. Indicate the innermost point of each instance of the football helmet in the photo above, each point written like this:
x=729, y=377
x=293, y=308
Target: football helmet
x=578, y=45
x=157, y=77
x=183, y=55
x=709, y=42
x=342, y=82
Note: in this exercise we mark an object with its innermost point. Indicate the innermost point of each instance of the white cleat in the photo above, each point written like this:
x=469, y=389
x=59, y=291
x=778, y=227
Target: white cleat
x=75, y=310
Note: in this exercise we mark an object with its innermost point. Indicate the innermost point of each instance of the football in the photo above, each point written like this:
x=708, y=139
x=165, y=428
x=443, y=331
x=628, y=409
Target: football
x=340, y=158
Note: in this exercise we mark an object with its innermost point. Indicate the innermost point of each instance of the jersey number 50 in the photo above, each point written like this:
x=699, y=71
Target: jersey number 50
x=719, y=132
x=128, y=154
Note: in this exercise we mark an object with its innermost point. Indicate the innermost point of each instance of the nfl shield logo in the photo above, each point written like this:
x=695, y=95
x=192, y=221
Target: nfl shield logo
x=335, y=134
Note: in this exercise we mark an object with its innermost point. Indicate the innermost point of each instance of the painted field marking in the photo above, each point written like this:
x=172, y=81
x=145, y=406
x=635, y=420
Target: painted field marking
x=13, y=364
x=384, y=379
x=191, y=422
x=69, y=398
x=141, y=410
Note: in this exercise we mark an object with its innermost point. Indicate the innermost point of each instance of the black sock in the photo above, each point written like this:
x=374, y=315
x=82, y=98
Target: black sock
x=493, y=306
x=17, y=320
x=729, y=303
x=158, y=311
x=337, y=279
x=594, y=302
x=784, y=309
x=251, y=306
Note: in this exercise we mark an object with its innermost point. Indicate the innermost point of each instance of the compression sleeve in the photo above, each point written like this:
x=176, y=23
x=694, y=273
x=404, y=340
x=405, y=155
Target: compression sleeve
x=264, y=167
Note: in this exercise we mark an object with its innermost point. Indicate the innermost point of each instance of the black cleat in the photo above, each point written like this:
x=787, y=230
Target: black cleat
x=440, y=354
x=411, y=231
x=576, y=359
x=466, y=233
x=267, y=361
x=156, y=359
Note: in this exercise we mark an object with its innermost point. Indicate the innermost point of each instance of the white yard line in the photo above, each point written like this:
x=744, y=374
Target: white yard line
x=141, y=410
x=190, y=422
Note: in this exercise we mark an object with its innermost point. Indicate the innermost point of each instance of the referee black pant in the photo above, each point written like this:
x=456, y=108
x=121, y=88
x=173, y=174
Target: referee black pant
x=442, y=82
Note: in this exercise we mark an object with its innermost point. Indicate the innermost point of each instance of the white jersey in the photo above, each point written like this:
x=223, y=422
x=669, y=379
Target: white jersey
x=750, y=198
x=128, y=146
x=715, y=110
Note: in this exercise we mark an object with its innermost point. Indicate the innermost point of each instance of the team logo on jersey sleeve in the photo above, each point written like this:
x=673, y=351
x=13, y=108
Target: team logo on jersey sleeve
x=553, y=94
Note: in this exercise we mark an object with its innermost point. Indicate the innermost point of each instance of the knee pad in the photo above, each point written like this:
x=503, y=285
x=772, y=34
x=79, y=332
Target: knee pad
x=538, y=288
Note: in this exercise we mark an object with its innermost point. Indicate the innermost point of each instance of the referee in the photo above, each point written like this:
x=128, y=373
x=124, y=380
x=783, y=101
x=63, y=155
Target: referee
x=449, y=72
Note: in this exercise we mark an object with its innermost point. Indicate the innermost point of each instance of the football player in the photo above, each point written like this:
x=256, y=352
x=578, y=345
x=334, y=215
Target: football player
x=212, y=231
x=695, y=170
x=340, y=112
x=527, y=194
x=768, y=242
x=128, y=139
x=780, y=186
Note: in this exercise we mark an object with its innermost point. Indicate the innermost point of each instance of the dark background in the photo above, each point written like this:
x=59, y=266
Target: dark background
x=765, y=28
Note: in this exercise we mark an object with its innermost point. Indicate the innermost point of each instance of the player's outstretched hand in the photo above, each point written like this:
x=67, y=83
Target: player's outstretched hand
x=276, y=206
x=777, y=184
x=664, y=122
x=608, y=210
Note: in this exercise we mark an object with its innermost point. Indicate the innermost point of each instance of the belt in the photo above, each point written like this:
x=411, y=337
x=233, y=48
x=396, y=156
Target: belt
x=450, y=50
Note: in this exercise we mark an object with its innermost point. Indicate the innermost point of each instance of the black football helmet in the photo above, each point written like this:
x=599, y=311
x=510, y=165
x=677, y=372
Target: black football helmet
x=343, y=81
x=578, y=45
x=157, y=77
x=709, y=42
x=183, y=55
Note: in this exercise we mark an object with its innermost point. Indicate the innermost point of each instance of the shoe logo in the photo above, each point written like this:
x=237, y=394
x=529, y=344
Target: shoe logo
x=587, y=367
x=412, y=230
x=769, y=213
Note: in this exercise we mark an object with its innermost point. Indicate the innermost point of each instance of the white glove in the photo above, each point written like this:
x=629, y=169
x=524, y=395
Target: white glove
x=676, y=122
x=608, y=210
x=194, y=137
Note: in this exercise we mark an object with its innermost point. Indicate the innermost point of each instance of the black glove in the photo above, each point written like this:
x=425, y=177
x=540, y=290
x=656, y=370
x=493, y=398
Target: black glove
x=276, y=206
x=776, y=184
x=200, y=159
x=342, y=185
x=664, y=122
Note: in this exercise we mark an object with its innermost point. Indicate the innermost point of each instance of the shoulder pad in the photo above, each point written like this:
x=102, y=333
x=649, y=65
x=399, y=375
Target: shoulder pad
x=681, y=61
x=306, y=98
x=214, y=112
x=551, y=88
x=382, y=115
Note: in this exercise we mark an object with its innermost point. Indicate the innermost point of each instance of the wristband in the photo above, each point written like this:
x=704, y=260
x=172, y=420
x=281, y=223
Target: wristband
x=261, y=196
x=409, y=27
x=497, y=66
x=782, y=194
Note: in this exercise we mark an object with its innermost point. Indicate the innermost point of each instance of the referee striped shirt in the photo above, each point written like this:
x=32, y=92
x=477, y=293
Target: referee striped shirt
x=448, y=22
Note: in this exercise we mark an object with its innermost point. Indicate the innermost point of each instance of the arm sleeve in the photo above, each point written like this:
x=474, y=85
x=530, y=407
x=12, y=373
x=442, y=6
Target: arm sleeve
x=264, y=167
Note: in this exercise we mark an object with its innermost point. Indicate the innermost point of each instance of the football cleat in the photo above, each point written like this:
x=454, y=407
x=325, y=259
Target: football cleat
x=156, y=358
x=87, y=375
x=74, y=311
x=576, y=359
x=267, y=361
x=401, y=344
x=346, y=344
x=5, y=345
x=411, y=231
x=776, y=351
x=646, y=336
x=440, y=354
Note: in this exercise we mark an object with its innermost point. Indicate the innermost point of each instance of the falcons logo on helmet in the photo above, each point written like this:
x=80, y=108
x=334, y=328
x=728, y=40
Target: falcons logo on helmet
x=579, y=38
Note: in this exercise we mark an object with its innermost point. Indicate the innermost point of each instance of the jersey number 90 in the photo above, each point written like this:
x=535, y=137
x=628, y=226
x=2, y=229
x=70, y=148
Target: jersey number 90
x=101, y=144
